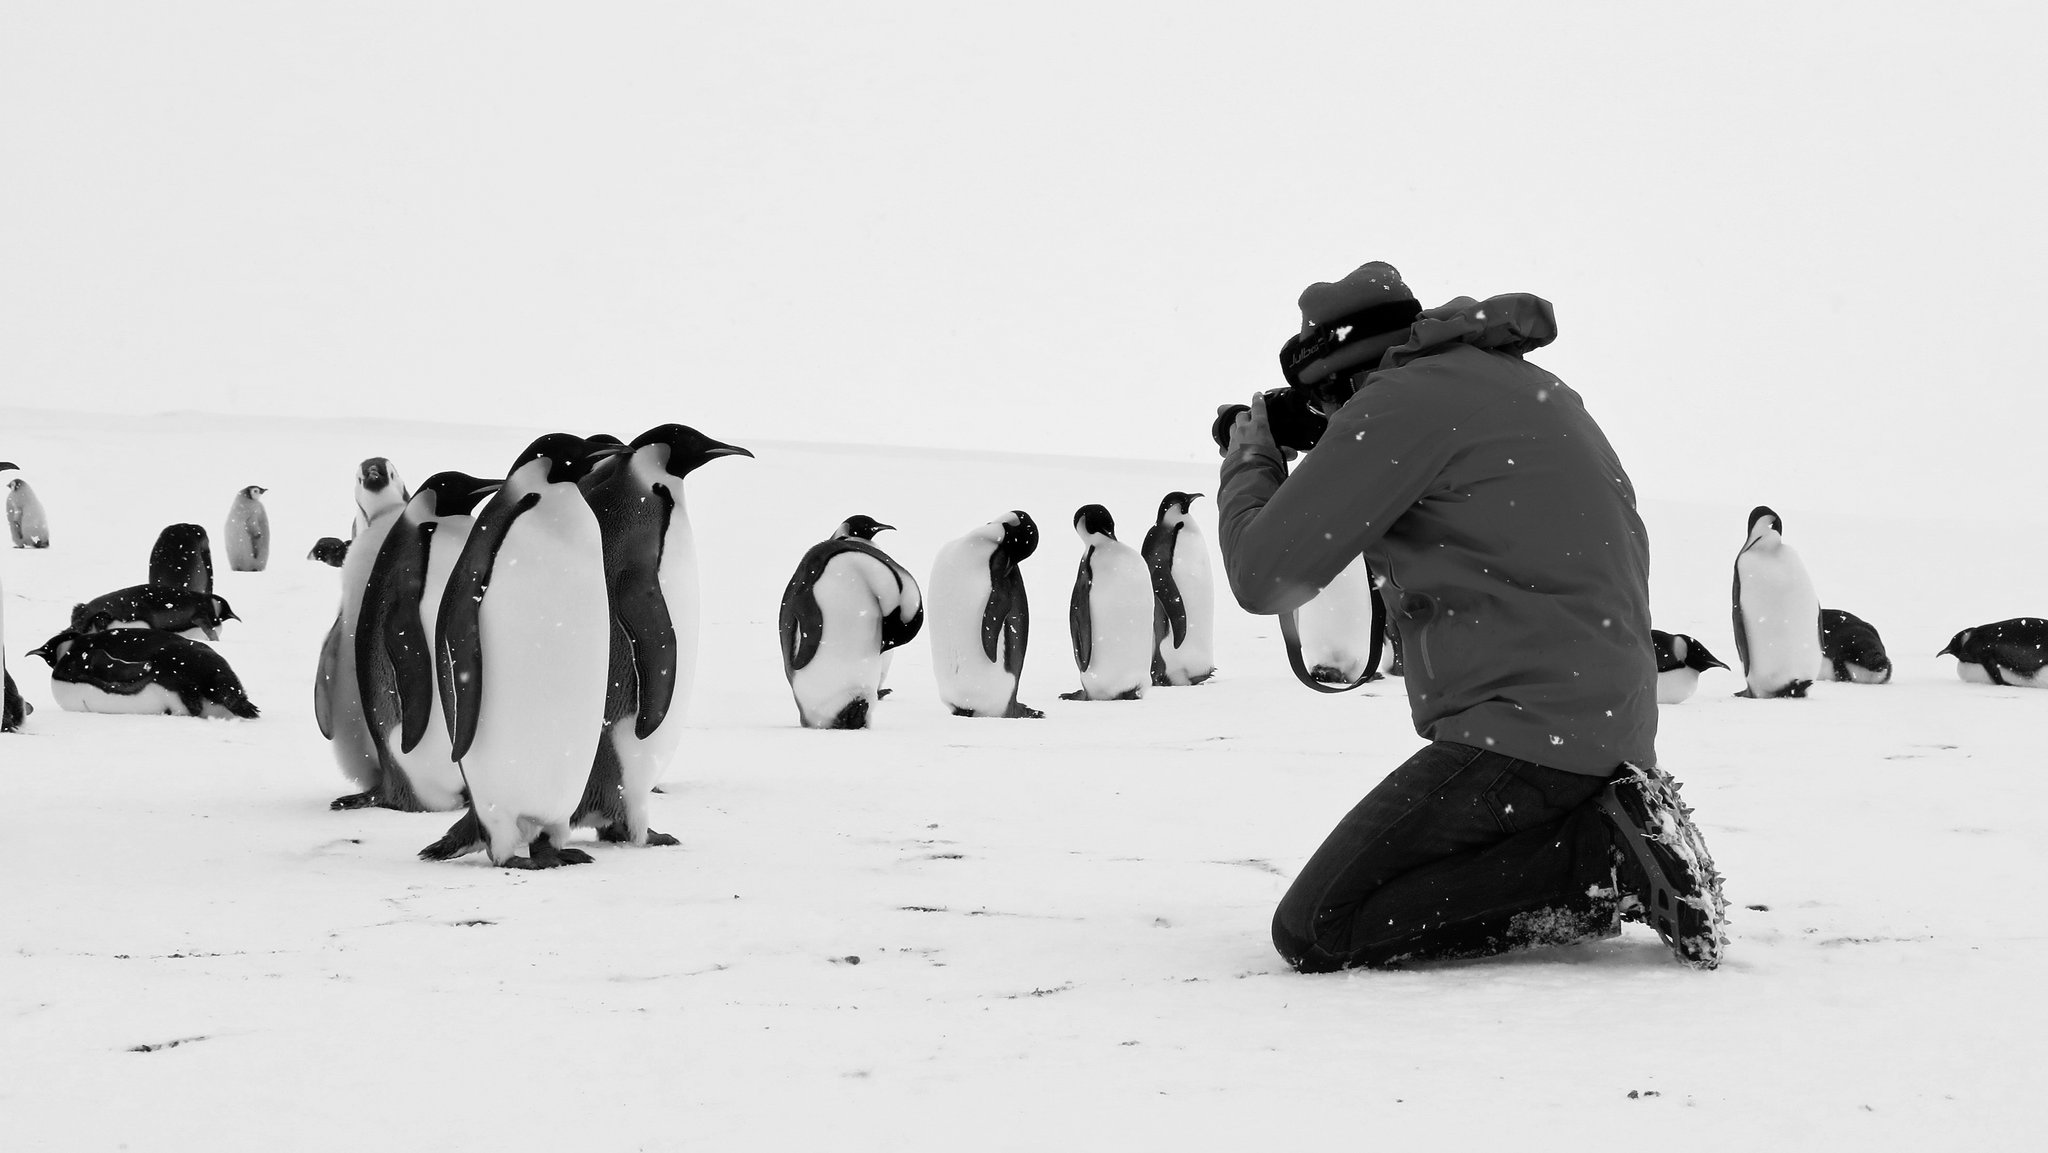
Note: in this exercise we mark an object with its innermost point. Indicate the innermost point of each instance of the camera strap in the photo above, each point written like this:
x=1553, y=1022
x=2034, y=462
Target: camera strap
x=1290, y=633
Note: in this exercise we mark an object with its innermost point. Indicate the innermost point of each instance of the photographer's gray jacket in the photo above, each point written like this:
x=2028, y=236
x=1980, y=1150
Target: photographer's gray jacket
x=1516, y=568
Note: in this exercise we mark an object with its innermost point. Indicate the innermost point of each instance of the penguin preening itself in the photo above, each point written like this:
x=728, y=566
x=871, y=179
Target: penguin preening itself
x=2007, y=652
x=1851, y=650
x=142, y=671
x=27, y=524
x=246, y=536
x=522, y=652
x=329, y=550
x=1183, y=595
x=182, y=558
x=1777, y=614
x=1110, y=615
x=394, y=646
x=845, y=607
x=170, y=608
x=981, y=619
x=337, y=696
x=1680, y=661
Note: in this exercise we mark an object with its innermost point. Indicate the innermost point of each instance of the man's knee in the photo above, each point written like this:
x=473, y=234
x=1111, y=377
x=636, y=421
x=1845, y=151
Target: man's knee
x=1299, y=949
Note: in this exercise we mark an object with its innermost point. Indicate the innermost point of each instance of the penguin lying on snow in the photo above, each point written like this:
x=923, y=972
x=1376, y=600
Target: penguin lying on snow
x=845, y=607
x=167, y=608
x=981, y=618
x=329, y=550
x=1680, y=661
x=1777, y=614
x=142, y=671
x=1110, y=616
x=1184, y=614
x=2007, y=652
x=182, y=558
x=1851, y=650
x=246, y=535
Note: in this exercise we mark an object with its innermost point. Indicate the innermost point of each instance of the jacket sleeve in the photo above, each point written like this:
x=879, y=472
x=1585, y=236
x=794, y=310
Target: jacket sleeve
x=1286, y=536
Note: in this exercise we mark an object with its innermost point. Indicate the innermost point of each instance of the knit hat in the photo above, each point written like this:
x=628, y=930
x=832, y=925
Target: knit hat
x=1350, y=323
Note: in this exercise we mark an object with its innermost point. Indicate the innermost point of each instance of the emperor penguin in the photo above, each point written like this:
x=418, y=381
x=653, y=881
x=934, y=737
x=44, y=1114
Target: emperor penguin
x=394, y=644
x=1680, y=661
x=329, y=550
x=171, y=609
x=651, y=577
x=523, y=648
x=247, y=532
x=337, y=697
x=142, y=671
x=1110, y=616
x=1851, y=650
x=26, y=522
x=1777, y=614
x=2007, y=652
x=182, y=558
x=845, y=607
x=981, y=619
x=1336, y=626
x=1183, y=595
x=13, y=710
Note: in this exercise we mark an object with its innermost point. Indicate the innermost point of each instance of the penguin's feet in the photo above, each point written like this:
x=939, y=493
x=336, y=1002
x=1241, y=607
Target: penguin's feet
x=1024, y=711
x=615, y=834
x=960, y=712
x=365, y=800
x=881, y=693
x=1076, y=695
x=1129, y=695
x=661, y=840
x=853, y=716
x=547, y=856
x=465, y=836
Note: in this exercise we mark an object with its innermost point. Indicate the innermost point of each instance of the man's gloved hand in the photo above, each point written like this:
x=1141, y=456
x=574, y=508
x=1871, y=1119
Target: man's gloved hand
x=1252, y=429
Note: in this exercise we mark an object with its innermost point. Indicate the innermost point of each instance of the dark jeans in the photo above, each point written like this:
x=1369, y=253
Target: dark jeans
x=1458, y=853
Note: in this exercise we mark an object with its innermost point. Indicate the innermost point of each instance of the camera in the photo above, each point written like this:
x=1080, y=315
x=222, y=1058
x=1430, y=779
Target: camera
x=1296, y=423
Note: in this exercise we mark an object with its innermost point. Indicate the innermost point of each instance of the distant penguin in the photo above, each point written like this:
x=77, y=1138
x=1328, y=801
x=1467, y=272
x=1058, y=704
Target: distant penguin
x=142, y=671
x=26, y=522
x=1110, y=615
x=182, y=558
x=329, y=550
x=981, y=619
x=2007, y=652
x=13, y=710
x=651, y=574
x=337, y=698
x=1851, y=650
x=845, y=607
x=394, y=644
x=523, y=648
x=165, y=607
x=1777, y=614
x=1680, y=661
x=1183, y=595
x=246, y=535
x=1336, y=626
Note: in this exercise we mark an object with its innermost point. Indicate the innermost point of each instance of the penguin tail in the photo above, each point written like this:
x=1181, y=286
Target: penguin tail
x=465, y=836
x=242, y=707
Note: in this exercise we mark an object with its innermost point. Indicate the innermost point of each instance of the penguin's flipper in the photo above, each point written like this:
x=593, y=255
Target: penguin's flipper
x=1741, y=630
x=898, y=630
x=643, y=623
x=1080, y=618
x=12, y=708
x=802, y=622
x=459, y=641
x=389, y=638
x=323, y=680
x=1006, y=618
x=1159, y=546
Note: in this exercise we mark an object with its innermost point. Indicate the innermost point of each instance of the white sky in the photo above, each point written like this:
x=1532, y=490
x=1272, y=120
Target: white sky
x=1795, y=249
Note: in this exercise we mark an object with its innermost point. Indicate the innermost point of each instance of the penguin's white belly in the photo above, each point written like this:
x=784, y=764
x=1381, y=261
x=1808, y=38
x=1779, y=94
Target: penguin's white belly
x=848, y=662
x=430, y=766
x=1336, y=626
x=1781, y=620
x=1857, y=673
x=1120, y=618
x=1977, y=674
x=545, y=629
x=955, y=606
x=1677, y=685
x=153, y=700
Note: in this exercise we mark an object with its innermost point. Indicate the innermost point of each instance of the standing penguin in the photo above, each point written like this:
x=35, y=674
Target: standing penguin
x=182, y=557
x=13, y=710
x=394, y=644
x=981, y=619
x=26, y=522
x=1777, y=614
x=1851, y=650
x=1336, y=626
x=247, y=533
x=142, y=671
x=337, y=696
x=845, y=607
x=1183, y=594
x=1680, y=661
x=522, y=651
x=2007, y=652
x=650, y=564
x=1110, y=616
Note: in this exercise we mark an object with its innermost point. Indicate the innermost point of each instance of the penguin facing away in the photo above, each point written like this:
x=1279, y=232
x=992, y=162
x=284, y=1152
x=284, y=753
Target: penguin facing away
x=142, y=671
x=1110, y=614
x=1183, y=592
x=523, y=649
x=337, y=695
x=1777, y=613
x=980, y=622
x=1851, y=650
x=1680, y=661
x=182, y=557
x=2007, y=652
x=1336, y=626
x=175, y=609
x=27, y=524
x=845, y=607
x=246, y=536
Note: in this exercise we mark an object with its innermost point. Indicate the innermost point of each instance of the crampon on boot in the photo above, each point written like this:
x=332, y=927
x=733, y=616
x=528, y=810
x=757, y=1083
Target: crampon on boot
x=1666, y=877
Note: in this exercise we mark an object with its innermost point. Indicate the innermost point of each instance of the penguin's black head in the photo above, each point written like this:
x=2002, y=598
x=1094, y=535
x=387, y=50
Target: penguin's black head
x=1694, y=655
x=1093, y=518
x=1020, y=535
x=456, y=493
x=860, y=527
x=329, y=550
x=570, y=457
x=1956, y=644
x=221, y=611
x=1175, y=502
x=1760, y=513
x=53, y=650
x=374, y=474
x=254, y=490
x=687, y=448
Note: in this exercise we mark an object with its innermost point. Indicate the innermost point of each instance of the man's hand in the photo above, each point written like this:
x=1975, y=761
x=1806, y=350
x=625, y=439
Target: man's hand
x=1253, y=429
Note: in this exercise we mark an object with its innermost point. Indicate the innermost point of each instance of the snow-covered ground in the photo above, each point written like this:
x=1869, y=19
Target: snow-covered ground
x=977, y=934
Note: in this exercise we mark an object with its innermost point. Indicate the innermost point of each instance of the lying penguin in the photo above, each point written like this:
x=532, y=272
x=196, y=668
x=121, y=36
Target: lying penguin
x=2007, y=652
x=1680, y=661
x=1850, y=650
x=169, y=608
x=141, y=671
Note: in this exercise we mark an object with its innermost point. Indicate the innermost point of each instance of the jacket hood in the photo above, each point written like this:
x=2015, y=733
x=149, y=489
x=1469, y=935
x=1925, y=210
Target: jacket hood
x=1515, y=322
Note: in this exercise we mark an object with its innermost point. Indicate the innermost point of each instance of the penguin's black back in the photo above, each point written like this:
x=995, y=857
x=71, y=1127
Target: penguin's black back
x=182, y=556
